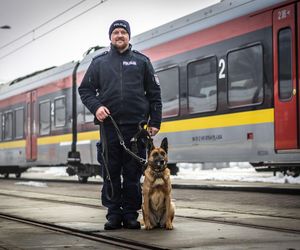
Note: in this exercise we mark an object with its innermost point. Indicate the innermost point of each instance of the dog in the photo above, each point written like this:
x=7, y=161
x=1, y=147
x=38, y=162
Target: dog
x=157, y=208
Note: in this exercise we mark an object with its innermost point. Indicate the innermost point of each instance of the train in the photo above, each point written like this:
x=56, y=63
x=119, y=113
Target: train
x=230, y=81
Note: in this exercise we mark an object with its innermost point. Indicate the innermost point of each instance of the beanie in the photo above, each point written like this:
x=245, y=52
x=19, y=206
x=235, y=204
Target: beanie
x=119, y=24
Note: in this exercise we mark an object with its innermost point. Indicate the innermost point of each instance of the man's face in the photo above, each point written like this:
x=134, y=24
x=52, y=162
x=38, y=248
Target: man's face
x=120, y=38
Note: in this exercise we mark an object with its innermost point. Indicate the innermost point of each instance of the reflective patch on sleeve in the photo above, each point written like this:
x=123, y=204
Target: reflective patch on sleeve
x=156, y=79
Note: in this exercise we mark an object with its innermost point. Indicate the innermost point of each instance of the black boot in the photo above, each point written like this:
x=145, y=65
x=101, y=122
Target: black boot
x=113, y=224
x=131, y=224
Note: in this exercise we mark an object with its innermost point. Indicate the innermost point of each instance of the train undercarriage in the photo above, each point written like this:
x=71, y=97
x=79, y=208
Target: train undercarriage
x=291, y=169
x=16, y=170
x=84, y=171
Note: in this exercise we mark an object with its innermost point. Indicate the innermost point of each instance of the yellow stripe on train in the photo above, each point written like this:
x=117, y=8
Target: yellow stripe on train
x=227, y=120
x=13, y=144
x=92, y=135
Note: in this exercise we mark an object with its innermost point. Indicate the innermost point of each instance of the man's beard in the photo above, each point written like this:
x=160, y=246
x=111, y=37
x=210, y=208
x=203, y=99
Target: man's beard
x=120, y=46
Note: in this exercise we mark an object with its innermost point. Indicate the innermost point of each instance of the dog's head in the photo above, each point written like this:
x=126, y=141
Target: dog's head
x=158, y=156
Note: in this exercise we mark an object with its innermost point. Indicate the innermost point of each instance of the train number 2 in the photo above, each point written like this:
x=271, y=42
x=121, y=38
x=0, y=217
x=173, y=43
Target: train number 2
x=222, y=69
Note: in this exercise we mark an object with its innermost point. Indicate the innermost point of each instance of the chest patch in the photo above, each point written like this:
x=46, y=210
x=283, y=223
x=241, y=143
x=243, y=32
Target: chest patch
x=158, y=182
x=125, y=63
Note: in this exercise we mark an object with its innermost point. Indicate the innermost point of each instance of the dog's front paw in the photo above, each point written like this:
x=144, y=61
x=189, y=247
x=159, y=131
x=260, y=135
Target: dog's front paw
x=169, y=226
x=148, y=226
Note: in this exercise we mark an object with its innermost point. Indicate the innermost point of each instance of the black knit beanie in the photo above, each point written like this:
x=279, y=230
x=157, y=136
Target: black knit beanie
x=119, y=24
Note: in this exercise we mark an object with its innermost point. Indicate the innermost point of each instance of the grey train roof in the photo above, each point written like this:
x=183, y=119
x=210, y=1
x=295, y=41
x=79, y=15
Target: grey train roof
x=218, y=13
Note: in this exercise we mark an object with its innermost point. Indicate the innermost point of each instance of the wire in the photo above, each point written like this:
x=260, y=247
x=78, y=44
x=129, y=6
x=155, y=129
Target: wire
x=55, y=28
x=43, y=24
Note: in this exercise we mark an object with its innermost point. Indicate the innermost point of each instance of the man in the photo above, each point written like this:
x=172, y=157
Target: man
x=121, y=83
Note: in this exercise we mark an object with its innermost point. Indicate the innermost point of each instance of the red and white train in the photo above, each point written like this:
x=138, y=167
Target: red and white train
x=230, y=79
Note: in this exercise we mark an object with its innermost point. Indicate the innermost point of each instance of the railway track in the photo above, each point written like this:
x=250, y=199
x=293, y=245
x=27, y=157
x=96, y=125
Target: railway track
x=203, y=218
x=63, y=199
x=109, y=240
x=240, y=187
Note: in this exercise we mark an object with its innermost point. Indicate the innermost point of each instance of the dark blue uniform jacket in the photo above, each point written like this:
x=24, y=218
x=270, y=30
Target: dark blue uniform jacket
x=124, y=83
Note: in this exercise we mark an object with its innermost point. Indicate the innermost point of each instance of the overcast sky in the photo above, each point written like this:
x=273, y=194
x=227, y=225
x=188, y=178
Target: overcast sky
x=68, y=42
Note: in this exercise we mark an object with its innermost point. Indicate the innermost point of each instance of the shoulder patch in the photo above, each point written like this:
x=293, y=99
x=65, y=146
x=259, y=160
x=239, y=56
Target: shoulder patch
x=101, y=54
x=137, y=52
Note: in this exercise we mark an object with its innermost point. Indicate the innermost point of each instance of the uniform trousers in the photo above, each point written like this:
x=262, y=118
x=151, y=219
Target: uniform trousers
x=125, y=173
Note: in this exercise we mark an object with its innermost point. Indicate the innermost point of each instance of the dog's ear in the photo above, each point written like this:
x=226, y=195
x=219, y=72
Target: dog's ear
x=164, y=144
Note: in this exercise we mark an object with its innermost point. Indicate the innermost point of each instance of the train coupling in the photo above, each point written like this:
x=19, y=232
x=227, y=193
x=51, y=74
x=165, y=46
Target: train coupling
x=74, y=158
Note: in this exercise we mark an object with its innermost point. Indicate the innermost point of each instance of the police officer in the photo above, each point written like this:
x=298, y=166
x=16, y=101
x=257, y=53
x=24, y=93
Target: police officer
x=121, y=82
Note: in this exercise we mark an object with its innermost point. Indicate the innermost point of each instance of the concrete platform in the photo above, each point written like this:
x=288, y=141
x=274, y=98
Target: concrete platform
x=16, y=235
x=194, y=233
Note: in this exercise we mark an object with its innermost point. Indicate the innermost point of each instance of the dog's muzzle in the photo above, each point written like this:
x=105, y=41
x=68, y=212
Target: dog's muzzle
x=159, y=165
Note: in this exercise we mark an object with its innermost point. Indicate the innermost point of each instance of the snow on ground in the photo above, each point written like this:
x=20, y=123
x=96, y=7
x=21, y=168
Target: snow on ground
x=241, y=172
x=48, y=171
x=32, y=183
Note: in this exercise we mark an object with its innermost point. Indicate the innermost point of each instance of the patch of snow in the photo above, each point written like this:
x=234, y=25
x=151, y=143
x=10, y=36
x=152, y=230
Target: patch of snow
x=32, y=183
x=242, y=172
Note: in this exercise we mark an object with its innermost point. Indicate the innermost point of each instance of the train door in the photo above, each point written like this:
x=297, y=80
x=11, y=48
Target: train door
x=286, y=84
x=31, y=136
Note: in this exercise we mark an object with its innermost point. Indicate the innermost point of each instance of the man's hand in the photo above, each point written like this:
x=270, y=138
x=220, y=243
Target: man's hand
x=102, y=113
x=152, y=131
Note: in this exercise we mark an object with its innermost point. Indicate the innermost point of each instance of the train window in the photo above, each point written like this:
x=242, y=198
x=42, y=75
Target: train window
x=8, y=124
x=19, y=123
x=202, y=85
x=88, y=116
x=285, y=63
x=45, y=118
x=169, y=83
x=245, y=76
x=60, y=112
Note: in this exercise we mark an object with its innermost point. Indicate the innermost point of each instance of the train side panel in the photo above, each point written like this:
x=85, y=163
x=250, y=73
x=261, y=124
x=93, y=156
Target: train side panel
x=220, y=78
x=231, y=130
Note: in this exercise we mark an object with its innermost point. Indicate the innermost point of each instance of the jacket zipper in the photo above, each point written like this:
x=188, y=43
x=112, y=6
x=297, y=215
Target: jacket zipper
x=121, y=79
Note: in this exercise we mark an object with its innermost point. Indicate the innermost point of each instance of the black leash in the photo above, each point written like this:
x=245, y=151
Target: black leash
x=142, y=161
x=104, y=156
x=142, y=132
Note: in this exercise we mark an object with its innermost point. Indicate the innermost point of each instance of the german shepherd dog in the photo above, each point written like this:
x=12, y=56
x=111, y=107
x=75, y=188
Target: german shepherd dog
x=158, y=209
